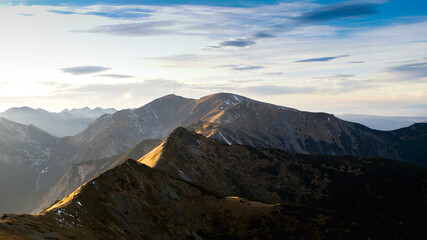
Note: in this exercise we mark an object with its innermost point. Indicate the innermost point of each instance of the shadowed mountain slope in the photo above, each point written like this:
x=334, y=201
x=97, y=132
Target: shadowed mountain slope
x=386, y=191
x=24, y=158
x=113, y=134
x=80, y=173
x=247, y=122
x=185, y=197
x=132, y=201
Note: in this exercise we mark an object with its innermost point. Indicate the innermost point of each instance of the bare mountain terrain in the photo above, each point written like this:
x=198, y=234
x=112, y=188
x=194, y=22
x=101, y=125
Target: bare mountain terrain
x=273, y=175
x=132, y=201
x=188, y=196
x=228, y=118
x=25, y=156
x=234, y=119
x=80, y=173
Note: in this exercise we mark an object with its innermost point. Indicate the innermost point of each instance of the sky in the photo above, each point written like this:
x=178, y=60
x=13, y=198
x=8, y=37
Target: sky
x=365, y=57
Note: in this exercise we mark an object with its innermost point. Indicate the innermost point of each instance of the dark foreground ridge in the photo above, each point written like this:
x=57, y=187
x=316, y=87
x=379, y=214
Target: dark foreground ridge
x=188, y=196
x=133, y=201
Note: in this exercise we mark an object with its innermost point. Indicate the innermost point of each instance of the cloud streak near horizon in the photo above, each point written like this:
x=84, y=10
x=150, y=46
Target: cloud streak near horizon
x=151, y=28
x=115, y=76
x=109, y=12
x=322, y=59
x=81, y=70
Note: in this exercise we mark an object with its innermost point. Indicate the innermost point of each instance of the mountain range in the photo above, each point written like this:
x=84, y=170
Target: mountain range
x=64, y=123
x=381, y=122
x=193, y=187
x=226, y=118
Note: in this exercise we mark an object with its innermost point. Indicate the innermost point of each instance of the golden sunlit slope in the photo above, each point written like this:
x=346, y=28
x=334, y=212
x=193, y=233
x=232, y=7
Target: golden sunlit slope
x=151, y=158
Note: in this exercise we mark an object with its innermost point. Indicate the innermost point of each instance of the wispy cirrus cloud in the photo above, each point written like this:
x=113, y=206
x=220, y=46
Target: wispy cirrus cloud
x=242, y=67
x=81, y=70
x=335, y=76
x=274, y=73
x=229, y=3
x=110, y=12
x=240, y=42
x=115, y=76
x=151, y=28
x=259, y=35
x=339, y=10
x=63, y=12
x=185, y=57
x=322, y=59
x=407, y=72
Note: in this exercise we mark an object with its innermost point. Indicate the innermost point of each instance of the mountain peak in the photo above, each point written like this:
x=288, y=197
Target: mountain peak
x=224, y=97
x=179, y=138
x=172, y=96
x=181, y=132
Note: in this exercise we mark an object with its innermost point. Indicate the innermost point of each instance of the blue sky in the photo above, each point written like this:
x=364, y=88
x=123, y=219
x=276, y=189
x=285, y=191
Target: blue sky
x=363, y=56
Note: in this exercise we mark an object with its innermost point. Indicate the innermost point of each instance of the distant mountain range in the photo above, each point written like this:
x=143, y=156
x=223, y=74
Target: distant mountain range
x=65, y=123
x=227, y=118
x=193, y=187
x=381, y=122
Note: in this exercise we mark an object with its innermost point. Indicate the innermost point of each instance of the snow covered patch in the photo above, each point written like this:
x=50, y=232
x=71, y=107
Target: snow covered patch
x=225, y=139
x=236, y=98
x=81, y=172
x=183, y=176
x=46, y=152
x=227, y=102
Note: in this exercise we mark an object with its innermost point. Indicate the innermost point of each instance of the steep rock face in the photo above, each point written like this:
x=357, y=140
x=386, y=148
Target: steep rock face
x=25, y=156
x=378, y=189
x=80, y=173
x=133, y=201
